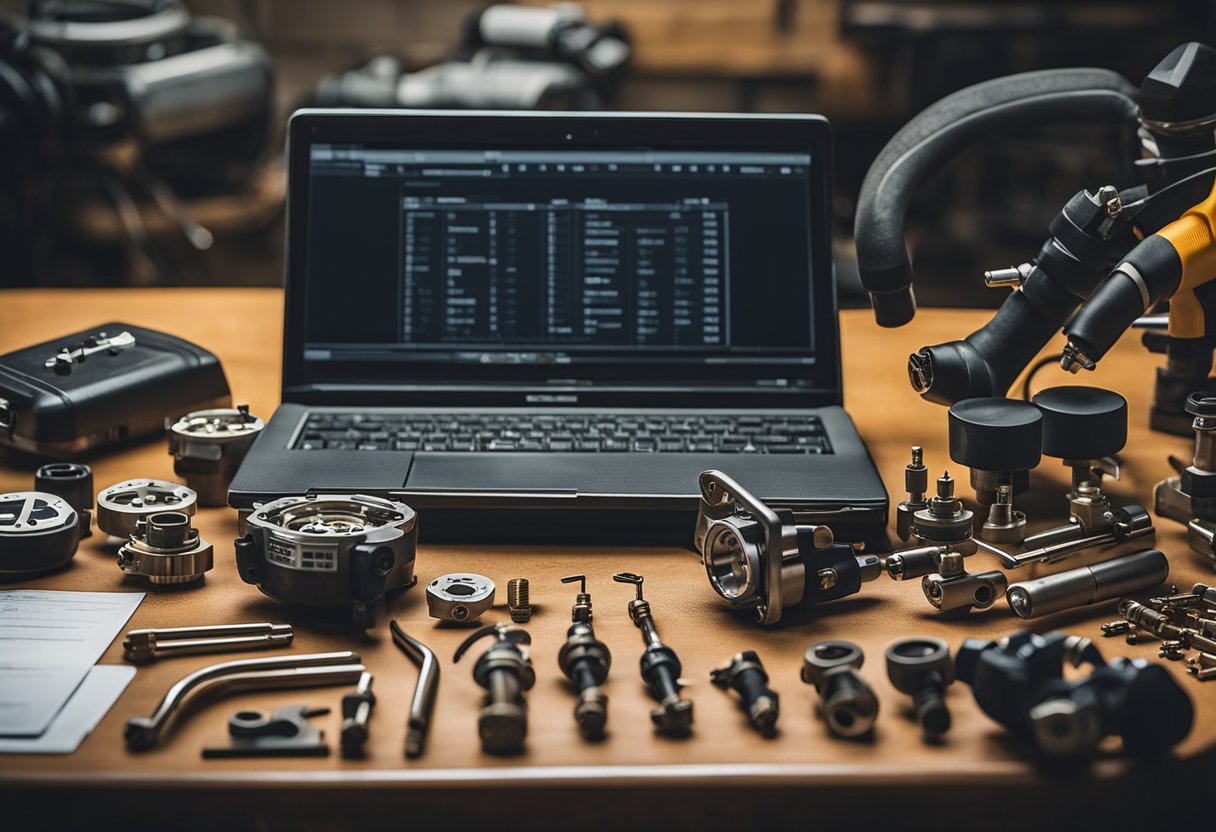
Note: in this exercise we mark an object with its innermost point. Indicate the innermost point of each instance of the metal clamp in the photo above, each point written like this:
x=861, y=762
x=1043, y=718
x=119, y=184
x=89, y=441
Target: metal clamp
x=1130, y=523
x=285, y=733
x=765, y=560
x=142, y=646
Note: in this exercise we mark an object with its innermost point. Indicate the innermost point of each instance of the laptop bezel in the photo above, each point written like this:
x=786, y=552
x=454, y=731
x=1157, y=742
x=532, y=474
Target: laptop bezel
x=437, y=128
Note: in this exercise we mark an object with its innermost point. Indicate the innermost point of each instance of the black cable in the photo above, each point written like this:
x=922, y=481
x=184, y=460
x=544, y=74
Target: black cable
x=1034, y=368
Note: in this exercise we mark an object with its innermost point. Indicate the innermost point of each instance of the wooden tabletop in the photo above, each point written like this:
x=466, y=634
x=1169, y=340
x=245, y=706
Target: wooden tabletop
x=843, y=779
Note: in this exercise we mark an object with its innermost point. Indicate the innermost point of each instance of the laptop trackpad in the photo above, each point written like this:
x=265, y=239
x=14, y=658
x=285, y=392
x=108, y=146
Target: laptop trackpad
x=552, y=473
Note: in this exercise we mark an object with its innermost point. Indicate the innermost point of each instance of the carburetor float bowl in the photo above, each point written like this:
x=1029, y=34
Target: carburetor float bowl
x=208, y=446
x=330, y=550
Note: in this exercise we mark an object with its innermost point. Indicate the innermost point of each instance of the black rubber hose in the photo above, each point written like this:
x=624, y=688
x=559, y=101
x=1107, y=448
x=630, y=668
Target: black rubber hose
x=933, y=138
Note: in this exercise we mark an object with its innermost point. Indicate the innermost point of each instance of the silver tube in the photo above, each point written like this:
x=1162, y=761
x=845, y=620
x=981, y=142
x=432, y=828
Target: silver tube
x=143, y=732
x=423, y=702
x=1088, y=584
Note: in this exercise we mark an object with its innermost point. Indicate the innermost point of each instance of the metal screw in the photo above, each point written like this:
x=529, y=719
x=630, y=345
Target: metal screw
x=1115, y=628
x=517, y=600
x=827, y=578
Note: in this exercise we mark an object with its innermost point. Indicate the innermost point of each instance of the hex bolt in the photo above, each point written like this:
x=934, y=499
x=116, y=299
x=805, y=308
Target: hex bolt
x=922, y=668
x=916, y=483
x=1115, y=628
x=744, y=673
x=517, y=600
x=848, y=705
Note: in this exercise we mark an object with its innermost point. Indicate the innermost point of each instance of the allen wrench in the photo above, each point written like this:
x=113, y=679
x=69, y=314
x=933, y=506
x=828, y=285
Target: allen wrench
x=270, y=673
x=418, y=725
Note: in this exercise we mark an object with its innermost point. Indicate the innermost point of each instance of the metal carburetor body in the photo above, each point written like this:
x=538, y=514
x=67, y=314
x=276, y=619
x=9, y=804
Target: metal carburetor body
x=330, y=550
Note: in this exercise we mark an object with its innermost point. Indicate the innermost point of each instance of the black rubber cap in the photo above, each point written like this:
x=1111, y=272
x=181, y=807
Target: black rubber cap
x=996, y=434
x=72, y=482
x=1082, y=422
x=1182, y=87
x=1201, y=404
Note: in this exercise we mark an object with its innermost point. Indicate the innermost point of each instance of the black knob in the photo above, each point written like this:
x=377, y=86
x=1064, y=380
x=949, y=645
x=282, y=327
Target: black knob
x=1201, y=404
x=1180, y=87
x=996, y=434
x=1082, y=422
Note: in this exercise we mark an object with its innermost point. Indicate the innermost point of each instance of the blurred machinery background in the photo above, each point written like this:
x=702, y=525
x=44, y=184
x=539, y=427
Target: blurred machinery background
x=119, y=189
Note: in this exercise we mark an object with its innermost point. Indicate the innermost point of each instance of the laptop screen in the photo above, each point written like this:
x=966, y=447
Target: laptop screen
x=562, y=269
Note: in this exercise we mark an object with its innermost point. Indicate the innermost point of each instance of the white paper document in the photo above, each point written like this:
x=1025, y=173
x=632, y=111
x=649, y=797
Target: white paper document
x=49, y=640
x=49, y=628
x=98, y=692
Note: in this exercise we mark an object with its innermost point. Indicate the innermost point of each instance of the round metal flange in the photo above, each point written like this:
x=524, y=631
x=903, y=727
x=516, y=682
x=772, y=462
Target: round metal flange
x=461, y=597
x=733, y=553
x=166, y=550
x=331, y=516
x=121, y=506
x=221, y=425
x=38, y=532
x=208, y=446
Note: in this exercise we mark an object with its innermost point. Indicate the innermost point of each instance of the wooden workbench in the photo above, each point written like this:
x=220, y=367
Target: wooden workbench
x=562, y=780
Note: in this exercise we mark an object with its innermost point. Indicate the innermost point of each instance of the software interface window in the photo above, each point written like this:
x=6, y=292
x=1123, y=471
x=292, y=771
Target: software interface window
x=559, y=257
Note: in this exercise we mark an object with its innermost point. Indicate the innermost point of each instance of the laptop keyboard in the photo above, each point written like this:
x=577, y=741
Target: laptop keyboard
x=564, y=433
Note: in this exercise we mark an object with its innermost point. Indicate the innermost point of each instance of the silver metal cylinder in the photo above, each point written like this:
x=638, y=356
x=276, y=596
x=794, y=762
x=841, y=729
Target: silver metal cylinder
x=1088, y=584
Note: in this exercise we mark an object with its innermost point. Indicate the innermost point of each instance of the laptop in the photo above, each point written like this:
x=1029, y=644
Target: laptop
x=548, y=324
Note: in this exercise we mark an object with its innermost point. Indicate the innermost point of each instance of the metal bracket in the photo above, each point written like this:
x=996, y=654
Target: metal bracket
x=285, y=733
